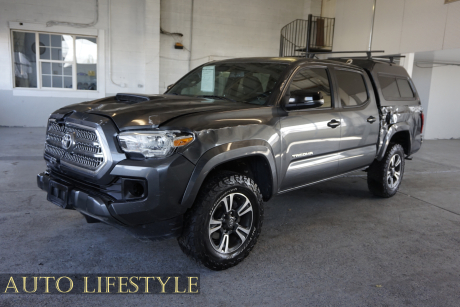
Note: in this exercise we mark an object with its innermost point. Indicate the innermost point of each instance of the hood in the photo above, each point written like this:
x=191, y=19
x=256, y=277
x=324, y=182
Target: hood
x=131, y=111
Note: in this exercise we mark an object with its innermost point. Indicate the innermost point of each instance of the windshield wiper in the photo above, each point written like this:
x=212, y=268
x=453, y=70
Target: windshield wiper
x=218, y=97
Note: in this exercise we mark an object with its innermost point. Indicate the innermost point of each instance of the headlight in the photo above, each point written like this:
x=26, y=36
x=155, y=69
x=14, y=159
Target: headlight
x=153, y=143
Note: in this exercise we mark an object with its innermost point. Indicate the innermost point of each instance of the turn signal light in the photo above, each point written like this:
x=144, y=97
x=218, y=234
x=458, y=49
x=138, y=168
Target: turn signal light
x=182, y=141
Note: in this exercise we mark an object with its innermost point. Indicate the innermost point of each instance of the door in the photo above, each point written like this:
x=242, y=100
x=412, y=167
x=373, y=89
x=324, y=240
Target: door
x=360, y=120
x=310, y=137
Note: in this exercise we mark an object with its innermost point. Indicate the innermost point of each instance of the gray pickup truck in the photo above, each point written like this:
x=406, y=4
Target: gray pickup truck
x=197, y=162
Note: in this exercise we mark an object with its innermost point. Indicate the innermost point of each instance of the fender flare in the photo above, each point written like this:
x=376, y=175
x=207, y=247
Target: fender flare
x=225, y=153
x=395, y=128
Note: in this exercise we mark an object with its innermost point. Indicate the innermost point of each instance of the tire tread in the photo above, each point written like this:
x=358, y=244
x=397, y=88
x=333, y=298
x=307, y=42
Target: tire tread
x=190, y=242
x=376, y=174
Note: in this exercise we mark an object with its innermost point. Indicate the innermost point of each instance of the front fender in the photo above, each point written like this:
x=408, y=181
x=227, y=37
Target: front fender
x=395, y=128
x=224, y=153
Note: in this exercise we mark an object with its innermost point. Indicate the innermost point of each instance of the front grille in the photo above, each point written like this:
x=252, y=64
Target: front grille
x=83, y=161
x=84, y=147
x=54, y=151
x=75, y=146
x=83, y=134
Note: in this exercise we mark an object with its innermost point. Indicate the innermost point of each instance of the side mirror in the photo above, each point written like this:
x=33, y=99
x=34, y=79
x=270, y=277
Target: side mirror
x=169, y=87
x=300, y=100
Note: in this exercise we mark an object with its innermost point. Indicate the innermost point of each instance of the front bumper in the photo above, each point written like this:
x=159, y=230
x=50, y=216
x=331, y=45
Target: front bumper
x=158, y=216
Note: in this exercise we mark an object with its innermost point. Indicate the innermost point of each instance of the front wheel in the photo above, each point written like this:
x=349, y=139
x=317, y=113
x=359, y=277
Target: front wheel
x=223, y=225
x=384, y=177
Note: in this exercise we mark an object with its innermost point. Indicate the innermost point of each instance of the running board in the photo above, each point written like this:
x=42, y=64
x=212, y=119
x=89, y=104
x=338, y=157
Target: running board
x=322, y=180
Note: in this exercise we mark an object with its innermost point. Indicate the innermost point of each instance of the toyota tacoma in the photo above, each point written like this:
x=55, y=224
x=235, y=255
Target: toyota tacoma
x=198, y=162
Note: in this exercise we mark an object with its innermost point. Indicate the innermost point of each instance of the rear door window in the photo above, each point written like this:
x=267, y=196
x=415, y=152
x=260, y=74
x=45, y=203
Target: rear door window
x=352, y=88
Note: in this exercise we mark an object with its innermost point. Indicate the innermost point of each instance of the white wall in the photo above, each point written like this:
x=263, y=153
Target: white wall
x=174, y=63
x=437, y=86
x=352, y=24
x=401, y=26
x=422, y=81
x=444, y=104
x=421, y=76
x=135, y=49
x=328, y=8
x=224, y=29
x=315, y=7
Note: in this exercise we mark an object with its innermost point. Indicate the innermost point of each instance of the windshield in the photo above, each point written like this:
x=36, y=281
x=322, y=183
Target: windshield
x=241, y=82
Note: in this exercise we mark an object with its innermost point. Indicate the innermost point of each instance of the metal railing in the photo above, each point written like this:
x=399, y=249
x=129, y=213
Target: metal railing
x=300, y=36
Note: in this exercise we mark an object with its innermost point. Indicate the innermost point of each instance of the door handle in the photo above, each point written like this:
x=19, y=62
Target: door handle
x=371, y=119
x=333, y=124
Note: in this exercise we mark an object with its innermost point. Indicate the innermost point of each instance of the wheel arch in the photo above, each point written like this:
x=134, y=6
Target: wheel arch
x=398, y=133
x=257, y=155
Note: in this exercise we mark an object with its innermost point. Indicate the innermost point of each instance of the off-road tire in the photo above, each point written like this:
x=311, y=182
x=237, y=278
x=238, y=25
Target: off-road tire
x=378, y=171
x=194, y=240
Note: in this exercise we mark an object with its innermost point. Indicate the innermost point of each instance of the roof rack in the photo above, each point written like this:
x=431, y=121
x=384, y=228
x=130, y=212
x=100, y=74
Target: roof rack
x=390, y=57
x=368, y=52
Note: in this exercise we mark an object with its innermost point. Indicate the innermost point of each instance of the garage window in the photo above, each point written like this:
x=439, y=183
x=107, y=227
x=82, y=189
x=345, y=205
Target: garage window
x=54, y=61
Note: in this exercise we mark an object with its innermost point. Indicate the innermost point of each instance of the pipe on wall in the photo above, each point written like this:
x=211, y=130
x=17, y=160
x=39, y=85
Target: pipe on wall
x=372, y=26
x=191, y=36
x=110, y=47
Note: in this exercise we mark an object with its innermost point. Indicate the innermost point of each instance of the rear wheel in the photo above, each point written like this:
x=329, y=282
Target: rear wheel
x=223, y=225
x=384, y=177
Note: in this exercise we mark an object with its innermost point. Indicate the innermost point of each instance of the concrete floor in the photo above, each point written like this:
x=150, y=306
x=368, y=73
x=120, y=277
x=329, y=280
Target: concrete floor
x=332, y=244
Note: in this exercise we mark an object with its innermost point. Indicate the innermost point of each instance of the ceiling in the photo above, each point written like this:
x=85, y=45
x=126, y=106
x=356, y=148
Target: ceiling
x=450, y=55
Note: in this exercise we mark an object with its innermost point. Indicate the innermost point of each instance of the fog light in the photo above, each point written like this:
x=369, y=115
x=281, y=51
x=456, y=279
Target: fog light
x=133, y=189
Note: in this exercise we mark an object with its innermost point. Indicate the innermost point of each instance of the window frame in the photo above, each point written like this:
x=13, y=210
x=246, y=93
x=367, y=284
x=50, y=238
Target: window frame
x=39, y=87
x=397, y=77
x=331, y=86
x=363, y=76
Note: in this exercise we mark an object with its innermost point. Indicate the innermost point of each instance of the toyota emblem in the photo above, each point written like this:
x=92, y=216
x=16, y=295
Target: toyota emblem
x=68, y=140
